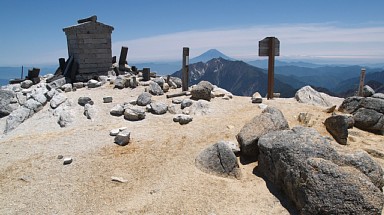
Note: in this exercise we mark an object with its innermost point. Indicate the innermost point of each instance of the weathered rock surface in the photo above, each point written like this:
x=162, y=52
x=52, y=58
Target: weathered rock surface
x=144, y=99
x=182, y=119
x=350, y=104
x=117, y=110
x=338, y=126
x=186, y=103
x=134, y=114
x=26, y=84
x=67, y=87
x=16, y=118
x=159, y=108
x=89, y=111
x=65, y=118
x=155, y=89
x=57, y=83
x=368, y=91
x=93, y=83
x=378, y=95
x=175, y=81
x=202, y=91
x=57, y=100
x=271, y=119
x=5, y=101
x=120, y=82
x=199, y=108
x=369, y=120
x=107, y=99
x=84, y=100
x=256, y=98
x=123, y=137
x=174, y=109
x=318, y=179
x=310, y=96
x=219, y=160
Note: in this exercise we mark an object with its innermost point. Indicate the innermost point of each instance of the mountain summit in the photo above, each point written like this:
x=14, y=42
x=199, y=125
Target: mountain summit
x=209, y=55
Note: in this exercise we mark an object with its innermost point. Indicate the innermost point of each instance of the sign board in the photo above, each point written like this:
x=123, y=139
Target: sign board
x=266, y=43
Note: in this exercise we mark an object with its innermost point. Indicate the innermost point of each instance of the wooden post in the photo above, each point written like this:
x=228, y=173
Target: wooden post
x=22, y=72
x=123, y=55
x=185, y=72
x=146, y=74
x=271, y=67
x=62, y=64
x=361, y=85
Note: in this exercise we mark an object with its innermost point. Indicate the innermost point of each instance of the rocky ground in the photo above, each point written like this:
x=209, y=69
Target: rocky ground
x=157, y=166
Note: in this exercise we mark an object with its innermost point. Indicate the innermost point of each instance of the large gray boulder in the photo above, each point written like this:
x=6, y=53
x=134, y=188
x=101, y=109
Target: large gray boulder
x=5, y=102
x=368, y=91
x=338, y=126
x=134, y=114
x=144, y=99
x=373, y=104
x=369, y=120
x=159, y=108
x=317, y=178
x=202, y=91
x=57, y=100
x=310, y=96
x=271, y=119
x=218, y=159
x=155, y=89
x=16, y=118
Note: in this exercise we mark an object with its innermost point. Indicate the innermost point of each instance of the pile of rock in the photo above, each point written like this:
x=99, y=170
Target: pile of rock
x=368, y=112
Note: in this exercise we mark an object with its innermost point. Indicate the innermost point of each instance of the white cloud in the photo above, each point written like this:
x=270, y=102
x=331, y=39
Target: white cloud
x=306, y=40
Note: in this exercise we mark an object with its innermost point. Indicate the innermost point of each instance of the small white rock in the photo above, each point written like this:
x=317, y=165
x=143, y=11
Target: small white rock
x=114, y=132
x=119, y=179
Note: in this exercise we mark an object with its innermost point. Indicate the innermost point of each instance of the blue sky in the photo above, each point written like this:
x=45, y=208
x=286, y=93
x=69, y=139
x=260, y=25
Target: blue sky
x=338, y=31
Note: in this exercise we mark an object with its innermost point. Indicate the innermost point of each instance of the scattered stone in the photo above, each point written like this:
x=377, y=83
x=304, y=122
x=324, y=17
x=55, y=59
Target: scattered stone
x=369, y=120
x=368, y=91
x=118, y=179
x=123, y=137
x=175, y=81
x=133, y=102
x=103, y=79
x=306, y=119
x=57, y=100
x=227, y=97
x=174, y=109
x=182, y=119
x=26, y=84
x=310, y=96
x=16, y=118
x=166, y=87
x=199, y=108
x=317, y=178
x=67, y=161
x=230, y=127
x=78, y=85
x=338, y=126
x=93, y=83
x=186, y=103
x=160, y=81
x=159, y=108
x=21, y=99
x=271, y=119
x=202, y=91
x=155, y=89
x=84, y=100
x=5, y=101
x=177, y=100
x=350, y=104
x=114, y=132
x=134, y=114
x=89, y=111
x=330, y=109
x=144, y=99
x=220, y=92
x=256, y=98
x=122, y=128
x=66, y=87
x=57, y=83
x=26, y=91
x=65, y=118
x=117, y=110
x=120, y=82
x=107, y=99
x=219, y=160
x=39, y=95
x=60, y=157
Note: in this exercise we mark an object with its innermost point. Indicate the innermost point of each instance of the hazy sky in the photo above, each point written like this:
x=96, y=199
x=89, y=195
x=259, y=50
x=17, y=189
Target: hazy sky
x=330, y=30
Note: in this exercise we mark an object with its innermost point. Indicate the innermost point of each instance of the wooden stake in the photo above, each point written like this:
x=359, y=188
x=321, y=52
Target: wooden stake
x=185, y=72
x=361, y=85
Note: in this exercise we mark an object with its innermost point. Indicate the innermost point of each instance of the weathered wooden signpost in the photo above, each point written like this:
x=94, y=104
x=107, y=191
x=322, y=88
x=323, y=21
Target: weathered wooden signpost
x=361, y=85
x=185, y=72
x=270, y=46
